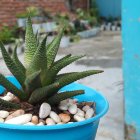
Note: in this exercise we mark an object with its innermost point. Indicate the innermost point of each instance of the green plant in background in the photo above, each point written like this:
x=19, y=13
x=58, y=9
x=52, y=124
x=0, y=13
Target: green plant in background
x=91, y=15
x=39, y=78
x=63, y=18
x=21, y=15
x=7, y=34
x=34, y=11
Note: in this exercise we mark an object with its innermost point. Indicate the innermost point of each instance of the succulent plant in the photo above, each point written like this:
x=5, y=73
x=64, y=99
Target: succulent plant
x=39, y=78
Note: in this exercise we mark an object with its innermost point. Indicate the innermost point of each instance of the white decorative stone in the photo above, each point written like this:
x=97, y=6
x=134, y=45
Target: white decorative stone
x=73, y=109
x=55, y=117
x=70, y=102
x=50, y=121
x=78, y=118
x=10, y=94
x=3, y=114
x=7, y=98
x=64, y=102
x=85, y=108
x=60, y=123
x=1, y=120
x=23, y=119
x=44, y=110
x=70, y=122
x=89, y=113
x=29, y=123
x=40, y=124
x=80, y=113
x=63, y=107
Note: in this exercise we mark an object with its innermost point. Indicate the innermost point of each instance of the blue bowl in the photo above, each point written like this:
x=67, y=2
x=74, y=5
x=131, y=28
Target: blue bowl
x=85, y=130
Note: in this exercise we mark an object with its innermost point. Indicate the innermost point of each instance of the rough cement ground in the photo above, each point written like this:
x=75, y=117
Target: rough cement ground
x=103, y=52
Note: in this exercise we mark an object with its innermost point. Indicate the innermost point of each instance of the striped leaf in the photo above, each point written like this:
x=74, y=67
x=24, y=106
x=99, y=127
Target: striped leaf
x=64, y=74
x=58, y=66
x=42, y=93
x=53, y=47
x=39, y=60
x=14, y=69
x=17, y=61
x=11, y=88
x=63, y=58
x=32, y=82
x=30, y=43
x=65, y=80
x=56, y=99
x=5, y=105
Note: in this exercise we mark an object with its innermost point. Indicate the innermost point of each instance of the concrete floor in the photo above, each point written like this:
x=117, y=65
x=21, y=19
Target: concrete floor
x=103, y=52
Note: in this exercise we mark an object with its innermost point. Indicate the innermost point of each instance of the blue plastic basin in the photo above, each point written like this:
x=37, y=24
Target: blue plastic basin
x=85, y=130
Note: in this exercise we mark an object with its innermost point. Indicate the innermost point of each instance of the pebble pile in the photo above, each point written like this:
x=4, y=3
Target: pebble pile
x=68, y=111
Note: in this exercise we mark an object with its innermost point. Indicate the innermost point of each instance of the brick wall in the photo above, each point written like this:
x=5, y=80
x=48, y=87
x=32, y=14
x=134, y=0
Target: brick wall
x=9, y=8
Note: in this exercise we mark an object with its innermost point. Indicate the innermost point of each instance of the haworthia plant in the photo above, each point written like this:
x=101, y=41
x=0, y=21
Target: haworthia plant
x=38, y=77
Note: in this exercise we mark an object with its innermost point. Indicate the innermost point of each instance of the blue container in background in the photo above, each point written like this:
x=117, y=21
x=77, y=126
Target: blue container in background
x=85, y=130
x=109, y=8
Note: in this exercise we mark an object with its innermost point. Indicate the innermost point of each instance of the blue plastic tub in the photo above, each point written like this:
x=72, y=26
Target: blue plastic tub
x=85, y=130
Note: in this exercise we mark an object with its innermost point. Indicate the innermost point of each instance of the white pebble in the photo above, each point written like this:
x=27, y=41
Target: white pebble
x=4, y=114
x=78, y=118
x=40, y=124
x=63, y=107
x=1, y=120
x=10, y=94
x=44, y=110
x=80, y=113
x=70, y=102
x=85, y=108
x=23, y=119
x=29, y=123
x=60, y=123
x=7, y=98
x=64, y=102
x=73, y=109
x=55, y=117
x=70, y=122
x=89, y=113
x=50, y=121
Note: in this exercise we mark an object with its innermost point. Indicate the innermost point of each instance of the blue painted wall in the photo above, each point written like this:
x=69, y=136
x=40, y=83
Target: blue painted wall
x=109, y=7
x=131, y=65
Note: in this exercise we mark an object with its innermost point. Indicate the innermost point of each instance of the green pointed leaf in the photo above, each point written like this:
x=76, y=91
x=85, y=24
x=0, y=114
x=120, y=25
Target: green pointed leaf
x=76, y=76
x=39, y=60
x=5, y=105
x=11, y=88
x=17, y=61
x=30, y=43
x=58, y=66
x=20, y=76
x=37, y=38
x=33, y=82
x=63, y=58
x=53, y=48
x=64, y=74
x=56, y=99
x=63, y=63
x=42, y=93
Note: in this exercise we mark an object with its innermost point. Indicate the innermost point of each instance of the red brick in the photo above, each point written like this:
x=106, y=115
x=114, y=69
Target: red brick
x=9, y=8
